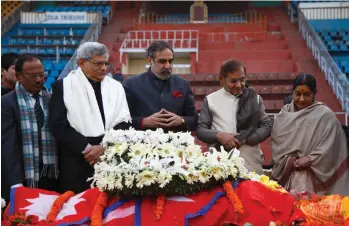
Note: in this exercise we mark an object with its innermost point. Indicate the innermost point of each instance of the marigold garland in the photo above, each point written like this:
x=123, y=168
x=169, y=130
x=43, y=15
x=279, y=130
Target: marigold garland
x=58, y=204
x=101, y=203
x=233, y=198
x=160, y=203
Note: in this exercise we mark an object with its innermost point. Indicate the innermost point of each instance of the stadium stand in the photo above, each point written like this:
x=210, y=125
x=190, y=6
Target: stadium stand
x=9, y=7
x=54, y=43
x=335, y=36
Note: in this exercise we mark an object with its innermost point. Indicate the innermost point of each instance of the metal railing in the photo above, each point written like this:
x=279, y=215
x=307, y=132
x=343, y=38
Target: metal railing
x=91, y=35
x=328, y=13
x=10, y=20
x=138, y=41
x=333, y=74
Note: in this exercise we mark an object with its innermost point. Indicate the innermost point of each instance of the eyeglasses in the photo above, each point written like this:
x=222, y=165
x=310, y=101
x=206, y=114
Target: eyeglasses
x=34, y=76
x=164, y=61
x=100, y=63
x=241, y=80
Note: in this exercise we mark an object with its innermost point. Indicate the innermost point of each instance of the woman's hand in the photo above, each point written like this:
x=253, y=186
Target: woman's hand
x=302, y=163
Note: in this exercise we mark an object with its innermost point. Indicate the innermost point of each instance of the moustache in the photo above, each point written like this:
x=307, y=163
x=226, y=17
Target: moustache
x=167, y=71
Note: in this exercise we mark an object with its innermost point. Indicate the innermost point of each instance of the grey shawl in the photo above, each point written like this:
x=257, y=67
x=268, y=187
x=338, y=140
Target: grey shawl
x=314, y=132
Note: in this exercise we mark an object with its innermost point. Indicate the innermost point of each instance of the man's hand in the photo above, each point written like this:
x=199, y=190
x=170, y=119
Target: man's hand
x=173, y=120
x=156, y=120
x=228, y=140
x=93, y=155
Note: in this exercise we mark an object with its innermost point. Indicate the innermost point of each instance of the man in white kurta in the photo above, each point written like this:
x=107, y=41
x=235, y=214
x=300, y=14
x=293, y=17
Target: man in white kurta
x=234, y=116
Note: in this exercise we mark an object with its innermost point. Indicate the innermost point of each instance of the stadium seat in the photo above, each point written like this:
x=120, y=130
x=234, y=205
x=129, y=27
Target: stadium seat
x=266, y=90
x=210, y=90
x=334, y=48
x=54, y=74
x=211, y=78
x=279, y=104
x=199, y=91
x=251, y=77
x=269, y=105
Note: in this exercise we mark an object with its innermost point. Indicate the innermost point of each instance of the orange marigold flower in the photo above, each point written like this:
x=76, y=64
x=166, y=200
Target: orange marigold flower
x=160, y=203
x=58, y=204
x=101, y=203
x=233, y=198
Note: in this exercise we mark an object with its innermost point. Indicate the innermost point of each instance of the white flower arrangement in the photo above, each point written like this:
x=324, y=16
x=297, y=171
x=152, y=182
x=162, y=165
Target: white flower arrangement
x=153, y=162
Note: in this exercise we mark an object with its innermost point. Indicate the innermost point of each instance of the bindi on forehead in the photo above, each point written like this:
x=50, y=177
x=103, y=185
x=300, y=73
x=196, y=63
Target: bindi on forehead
x=302, y=88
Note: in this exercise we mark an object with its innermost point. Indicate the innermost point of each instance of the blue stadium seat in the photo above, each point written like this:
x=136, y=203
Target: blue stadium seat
x=346, y=69
x=54, y=74
x=334, y=48
x=330, y=42
x=42, y=51
x=58, y=66
x=51, y=51
x=333, y=33
x=4, y=50
x=327, y=38
x=49, y=82
x=47, y=66
x=343, y=47
x=344, y=63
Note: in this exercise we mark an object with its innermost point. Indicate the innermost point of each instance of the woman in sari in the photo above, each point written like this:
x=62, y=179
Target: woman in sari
x=309, y=145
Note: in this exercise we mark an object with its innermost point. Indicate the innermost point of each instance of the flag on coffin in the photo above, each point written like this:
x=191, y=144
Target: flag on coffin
x=208, y=207
x=263, y=205
x=31, y=201
x=38, y=202
x=78, y=209
x=120, y=212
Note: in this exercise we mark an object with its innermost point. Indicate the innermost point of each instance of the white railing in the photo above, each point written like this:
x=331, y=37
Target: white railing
x=180, y=40
x=38, y=18
x=333, y=74
x=177, y=68
x=325, y=10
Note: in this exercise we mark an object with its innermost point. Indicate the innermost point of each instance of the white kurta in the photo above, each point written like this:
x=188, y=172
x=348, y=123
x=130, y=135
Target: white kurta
x=223, y=107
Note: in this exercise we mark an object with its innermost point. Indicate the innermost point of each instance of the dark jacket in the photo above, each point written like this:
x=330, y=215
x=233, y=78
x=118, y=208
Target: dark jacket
x=118, y=77
x=146, y=95
x=12, y=169
x=74, y=169
x=5, y=90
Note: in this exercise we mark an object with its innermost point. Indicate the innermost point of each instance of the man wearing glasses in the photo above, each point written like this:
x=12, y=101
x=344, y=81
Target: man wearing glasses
x=29, y=155
x=234, y=116
x=84, y=105
x=158, y=99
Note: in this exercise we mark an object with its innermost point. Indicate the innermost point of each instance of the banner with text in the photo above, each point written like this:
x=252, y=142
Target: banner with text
x=64, y=18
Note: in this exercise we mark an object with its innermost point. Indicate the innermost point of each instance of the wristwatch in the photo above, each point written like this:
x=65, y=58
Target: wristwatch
x=183, y=122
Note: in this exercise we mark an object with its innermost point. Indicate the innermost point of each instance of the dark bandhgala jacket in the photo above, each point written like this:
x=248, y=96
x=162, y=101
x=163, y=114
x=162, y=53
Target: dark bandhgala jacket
x=146, y=95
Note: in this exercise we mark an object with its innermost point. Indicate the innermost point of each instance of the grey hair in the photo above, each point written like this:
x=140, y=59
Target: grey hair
x=90, y=49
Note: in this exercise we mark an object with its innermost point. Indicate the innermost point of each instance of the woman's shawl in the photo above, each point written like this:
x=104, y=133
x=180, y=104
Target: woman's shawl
x=314, y=132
